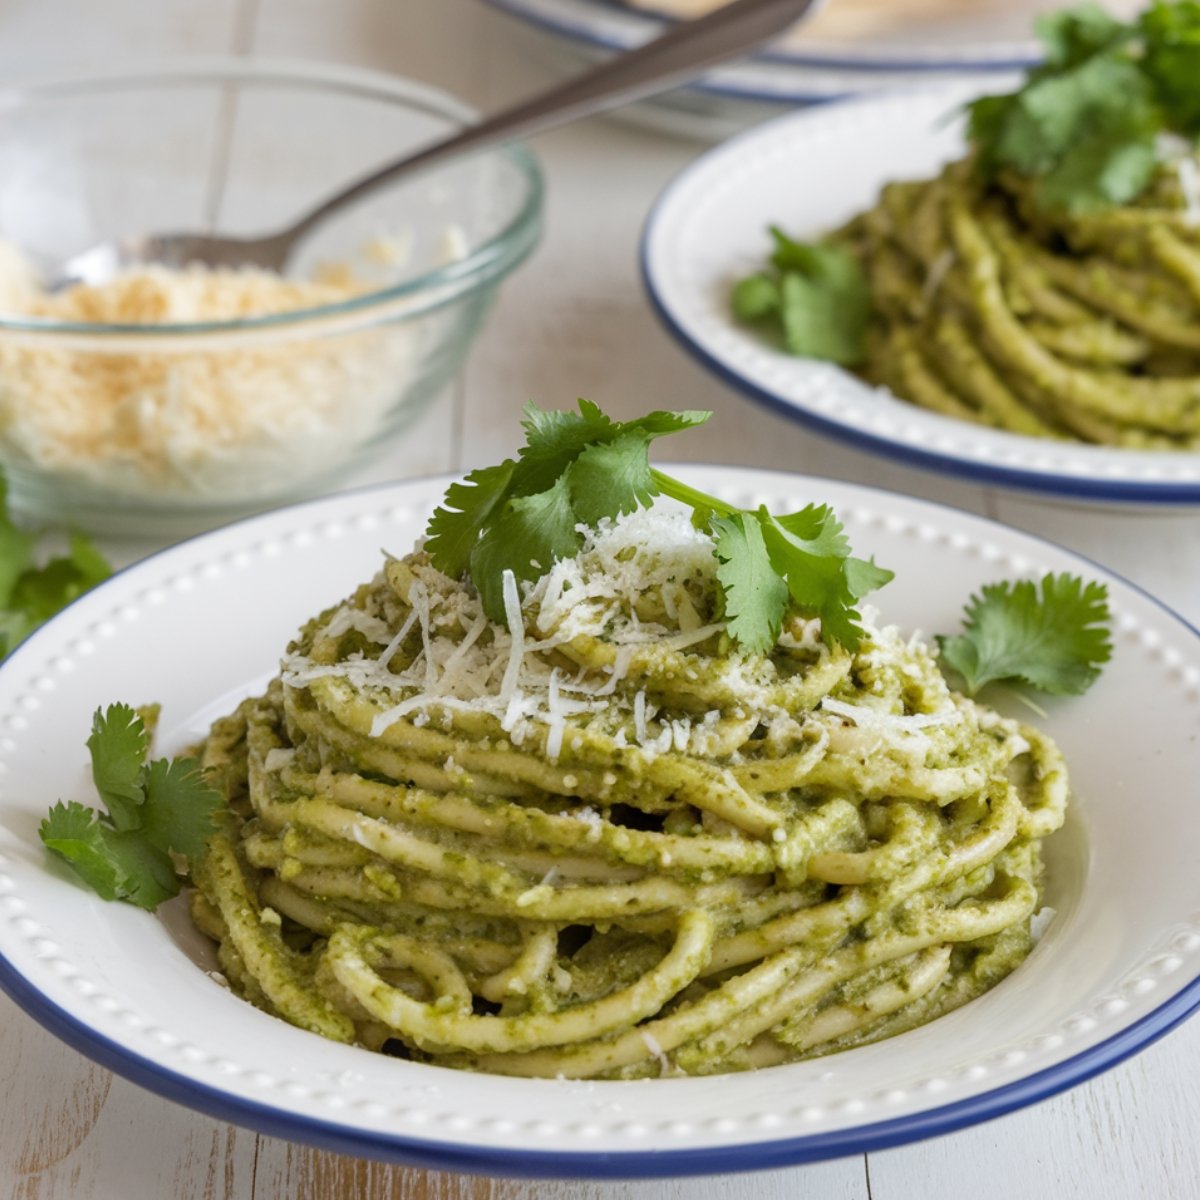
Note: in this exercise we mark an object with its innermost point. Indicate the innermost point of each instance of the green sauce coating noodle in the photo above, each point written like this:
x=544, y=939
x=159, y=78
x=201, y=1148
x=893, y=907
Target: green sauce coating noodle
x=991, y=309
x=614, y=846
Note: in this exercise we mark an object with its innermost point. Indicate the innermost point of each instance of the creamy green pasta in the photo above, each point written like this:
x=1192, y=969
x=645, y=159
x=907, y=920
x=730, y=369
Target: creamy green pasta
x=992, y=308
x=608, y=843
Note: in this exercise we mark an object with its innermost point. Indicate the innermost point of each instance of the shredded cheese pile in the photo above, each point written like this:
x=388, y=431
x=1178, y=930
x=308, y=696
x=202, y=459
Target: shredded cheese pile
x=512, y=675
x=229, y=422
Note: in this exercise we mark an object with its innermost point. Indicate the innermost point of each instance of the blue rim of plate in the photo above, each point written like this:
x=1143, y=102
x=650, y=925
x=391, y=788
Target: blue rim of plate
x=643, y=1164
x=565, y=28
x=1066, y=487
x=837, y=61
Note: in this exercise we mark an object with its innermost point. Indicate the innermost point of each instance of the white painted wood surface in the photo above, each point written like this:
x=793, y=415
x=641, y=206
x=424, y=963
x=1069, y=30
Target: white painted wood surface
x=574, y=321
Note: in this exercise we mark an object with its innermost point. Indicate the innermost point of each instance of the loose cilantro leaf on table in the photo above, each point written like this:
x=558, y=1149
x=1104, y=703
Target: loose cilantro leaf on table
x=579, y=468
x=31, y=595
x=1086, y=123
x=815, y=295
x=1055, y=640
x=155, y=810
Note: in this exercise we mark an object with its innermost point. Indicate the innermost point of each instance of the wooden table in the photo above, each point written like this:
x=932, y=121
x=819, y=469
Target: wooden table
x=573, y=321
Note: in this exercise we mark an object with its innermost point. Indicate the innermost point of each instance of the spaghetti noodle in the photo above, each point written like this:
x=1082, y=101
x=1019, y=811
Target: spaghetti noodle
x=994, y=309
x=608, y=844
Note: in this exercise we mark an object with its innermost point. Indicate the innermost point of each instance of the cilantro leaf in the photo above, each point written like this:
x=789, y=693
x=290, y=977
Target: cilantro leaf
x=150, y=874
x=1049, y=114
x=810, y=550
x=1105, y=166
x=16, y=550
x=527, y=539
x=180, y=806
x=612, y=478
x=551, y=432
x=457, y=523
x=659, y=423
x=557, y=439
x=756, y=297
x=75, y=834
x=1073, y=35
x=554, y=440
x=154, y=811
x=30, y=595
x=1054, y=641
x=818, y=298
x=987, y=121
x=863, y=576
x=756, y=596
x=1085, y=125
x=15, y=627
x=115, y=865
x=118, y=745
x=517, y=517
x=1171, y=59
x=91, y=567
x=790, y=255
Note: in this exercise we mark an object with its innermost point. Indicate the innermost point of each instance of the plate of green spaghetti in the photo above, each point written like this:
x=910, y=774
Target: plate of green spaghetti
x=605, y=822
x=1004, y=288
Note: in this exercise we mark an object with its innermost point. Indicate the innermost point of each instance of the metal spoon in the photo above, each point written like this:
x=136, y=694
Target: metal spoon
x=683, y=51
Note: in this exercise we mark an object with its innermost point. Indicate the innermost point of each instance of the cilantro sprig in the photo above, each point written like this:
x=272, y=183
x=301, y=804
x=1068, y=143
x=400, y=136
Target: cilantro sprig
x=155, y=810
x=815, y=296
x=30, y=594
x=1054, y=640
x=1086, y=124
x=577, y=468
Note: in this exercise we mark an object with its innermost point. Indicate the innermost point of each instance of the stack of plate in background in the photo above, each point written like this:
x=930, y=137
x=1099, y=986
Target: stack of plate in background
x=846, y=48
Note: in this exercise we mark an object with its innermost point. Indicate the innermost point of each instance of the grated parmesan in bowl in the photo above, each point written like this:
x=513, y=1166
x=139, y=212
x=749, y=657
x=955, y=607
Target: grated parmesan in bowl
x=195, y=423
x=162, y=401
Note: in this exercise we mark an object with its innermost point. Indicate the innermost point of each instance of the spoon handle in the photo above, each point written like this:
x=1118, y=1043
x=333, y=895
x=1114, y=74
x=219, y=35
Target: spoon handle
x=681, y=52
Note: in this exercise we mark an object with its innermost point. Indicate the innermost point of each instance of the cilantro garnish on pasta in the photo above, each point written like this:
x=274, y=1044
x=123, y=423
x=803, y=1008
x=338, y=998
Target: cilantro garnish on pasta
x=577, y=469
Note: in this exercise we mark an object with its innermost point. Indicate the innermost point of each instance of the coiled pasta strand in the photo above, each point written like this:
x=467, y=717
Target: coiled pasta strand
x=627, y=881
x=991, y=309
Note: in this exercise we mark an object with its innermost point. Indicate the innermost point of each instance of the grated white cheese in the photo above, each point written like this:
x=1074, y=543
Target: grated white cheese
x=348, y=617
x=651, y=1043
x=1189, y=185
x=619, y=670
x=594, y=822
x=232, y=420
x=1040, y=922
x=937, y=273
x=278, y=758
x=518, y=675
x=516, y=656
x=872, y=718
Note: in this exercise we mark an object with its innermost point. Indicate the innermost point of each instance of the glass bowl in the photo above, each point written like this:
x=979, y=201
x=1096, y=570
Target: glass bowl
x=159, y=426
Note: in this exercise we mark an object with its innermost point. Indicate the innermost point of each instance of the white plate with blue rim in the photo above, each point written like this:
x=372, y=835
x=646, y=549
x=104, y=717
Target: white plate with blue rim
x=596, y=28
x=709, y=228
x=891, y=35
x=199, y=625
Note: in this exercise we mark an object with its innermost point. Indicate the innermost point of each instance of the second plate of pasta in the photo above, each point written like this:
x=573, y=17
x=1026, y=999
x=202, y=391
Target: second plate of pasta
x=710, y=229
